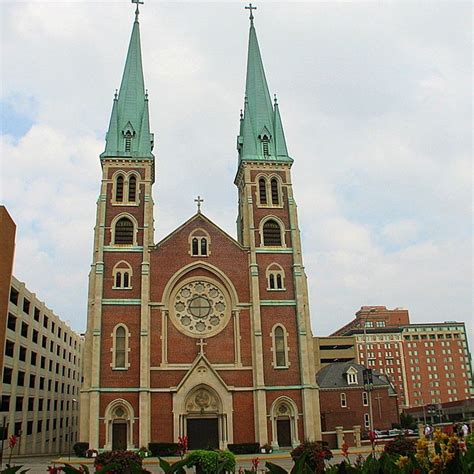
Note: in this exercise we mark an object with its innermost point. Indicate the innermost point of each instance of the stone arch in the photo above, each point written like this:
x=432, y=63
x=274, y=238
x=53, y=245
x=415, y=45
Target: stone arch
x=284, y=416
x=119, y=412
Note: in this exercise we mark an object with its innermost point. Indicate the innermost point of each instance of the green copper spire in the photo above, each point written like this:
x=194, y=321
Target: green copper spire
x=261, y=132
x=129, y=130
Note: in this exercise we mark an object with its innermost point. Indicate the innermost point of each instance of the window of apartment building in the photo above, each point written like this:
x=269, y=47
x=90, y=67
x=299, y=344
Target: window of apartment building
x=50, y=365
x=53, y=326
x=51, y=346
x=64, y=370
x=32, y=380
x=34, y=337
x=29, y=428
x=58, y=350
x=54, y=424
x=21, y=378
x=22, y=354
x=343, y=400
x=39, y=426
x=62, y=387
x=59, y=332
x=56, y=388
x=5, y=403
x=18, y=428
x=26, y=306
x=14, y=296
x=24, y=329
x=43, y=362
x=19, y=404
x=45, y=321
x=49, y=385
x=57, y=368
x=7, y=375
x=36, y=314
x=44, y=342
x=48, y=404
x=33, y=358
x=55, y=405
x=31, y=403
x=47, y=425
x=40, y=404
x=9, y=348
x=11, y=323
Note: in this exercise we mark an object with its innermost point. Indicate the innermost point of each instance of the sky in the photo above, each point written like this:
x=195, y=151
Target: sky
x=376, y=104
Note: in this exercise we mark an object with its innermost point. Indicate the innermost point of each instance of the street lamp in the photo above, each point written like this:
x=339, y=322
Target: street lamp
x=367, y=373
x=71, y=417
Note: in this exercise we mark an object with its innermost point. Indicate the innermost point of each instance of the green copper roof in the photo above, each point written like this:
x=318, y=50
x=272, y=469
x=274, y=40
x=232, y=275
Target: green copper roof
x=261, y=131
x=130, y=109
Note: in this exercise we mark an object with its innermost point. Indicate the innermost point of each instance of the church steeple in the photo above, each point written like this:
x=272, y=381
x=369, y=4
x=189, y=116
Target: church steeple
x=129, y=129
x=261, y=136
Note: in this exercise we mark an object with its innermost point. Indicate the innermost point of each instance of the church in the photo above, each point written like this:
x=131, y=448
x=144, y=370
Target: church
x=203, y=334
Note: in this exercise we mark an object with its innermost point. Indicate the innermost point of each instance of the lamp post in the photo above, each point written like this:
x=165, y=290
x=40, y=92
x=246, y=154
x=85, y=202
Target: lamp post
x=71, y=417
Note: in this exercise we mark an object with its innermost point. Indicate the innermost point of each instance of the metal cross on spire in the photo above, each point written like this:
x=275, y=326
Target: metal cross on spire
x=250, y=7
x=137, y=11
x=199, y=201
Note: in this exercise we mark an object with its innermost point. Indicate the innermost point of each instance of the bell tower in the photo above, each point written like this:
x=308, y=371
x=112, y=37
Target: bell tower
x=267, y=223
x=119, y=277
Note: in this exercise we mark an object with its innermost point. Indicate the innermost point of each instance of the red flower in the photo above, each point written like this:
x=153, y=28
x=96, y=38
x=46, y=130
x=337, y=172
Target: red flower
x=255, y=463
x=345, y=449
x=12, y=440
x=372, y=436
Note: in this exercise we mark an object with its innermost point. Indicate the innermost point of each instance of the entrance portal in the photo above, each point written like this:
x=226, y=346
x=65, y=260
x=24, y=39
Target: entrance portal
x=284, y=433
x=203, y=433
x=119, y=436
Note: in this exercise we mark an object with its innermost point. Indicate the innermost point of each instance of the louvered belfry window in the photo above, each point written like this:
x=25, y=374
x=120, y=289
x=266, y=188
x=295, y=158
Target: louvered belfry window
x=128, y=141
x=262, y=189
x=265, y=146
x=271, y=234
x=119, y=189
x=275, y=196
x=132, y=189
x=124, y=231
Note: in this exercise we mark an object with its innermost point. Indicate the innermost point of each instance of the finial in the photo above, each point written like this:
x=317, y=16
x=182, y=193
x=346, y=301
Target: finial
x=146, y=94
x=246, y=100
x=250, y=7
x=116, y=94
x=199, y=201
x=275, y=100
x=137, y=11
x=241, y=114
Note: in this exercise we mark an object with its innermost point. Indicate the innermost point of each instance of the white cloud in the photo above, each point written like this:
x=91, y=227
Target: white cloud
x=401, y=232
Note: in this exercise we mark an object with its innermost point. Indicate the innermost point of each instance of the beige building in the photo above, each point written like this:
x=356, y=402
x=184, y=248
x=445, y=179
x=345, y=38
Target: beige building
x=330, y=349
x=40, y=374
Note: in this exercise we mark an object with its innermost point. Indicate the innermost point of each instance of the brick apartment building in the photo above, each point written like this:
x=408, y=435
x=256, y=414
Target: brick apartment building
x=41, y=359
x=427, y=363
x=200, y=334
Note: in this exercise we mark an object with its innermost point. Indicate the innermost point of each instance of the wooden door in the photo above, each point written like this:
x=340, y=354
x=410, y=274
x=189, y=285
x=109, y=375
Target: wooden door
x=203, y=433
x=284, y=433
x=119, y=436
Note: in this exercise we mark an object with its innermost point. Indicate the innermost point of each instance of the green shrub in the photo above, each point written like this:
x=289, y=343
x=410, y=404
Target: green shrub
x=244, y=448
x=80, y=449
x=209, y=461
x=163, y=449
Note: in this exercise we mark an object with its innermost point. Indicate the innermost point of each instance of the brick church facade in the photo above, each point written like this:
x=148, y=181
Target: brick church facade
x=201, y=334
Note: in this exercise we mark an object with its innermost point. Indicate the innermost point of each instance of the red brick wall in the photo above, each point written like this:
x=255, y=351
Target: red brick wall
x=332, y=414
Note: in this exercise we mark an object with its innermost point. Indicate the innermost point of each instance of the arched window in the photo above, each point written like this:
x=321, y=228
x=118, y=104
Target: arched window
x=275, y=277
x=120, y=347
x=275, y=193
x=124, y=232
x=280, y=349
x=132, y=189
x=122, y=275
x=199, y=241
x=271, y=234
x=119, y=189
x=262, y=189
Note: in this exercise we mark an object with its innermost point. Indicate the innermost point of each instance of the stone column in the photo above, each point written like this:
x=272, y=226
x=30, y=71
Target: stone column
x=340, y=436
x=357, y=436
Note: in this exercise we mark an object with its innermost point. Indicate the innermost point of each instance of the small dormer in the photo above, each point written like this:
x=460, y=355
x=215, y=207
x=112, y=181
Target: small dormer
x=351, y=376
x=128, y=135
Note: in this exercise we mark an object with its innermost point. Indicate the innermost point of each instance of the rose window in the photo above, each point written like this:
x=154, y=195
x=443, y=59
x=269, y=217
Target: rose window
x=200, y=309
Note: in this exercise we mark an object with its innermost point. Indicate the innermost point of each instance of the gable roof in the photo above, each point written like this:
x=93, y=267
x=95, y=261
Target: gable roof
x=333, y=376
x=195, y=217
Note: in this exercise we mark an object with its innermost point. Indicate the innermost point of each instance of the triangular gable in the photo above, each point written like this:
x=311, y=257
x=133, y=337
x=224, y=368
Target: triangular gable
x=207, y=220
x=195, y=375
